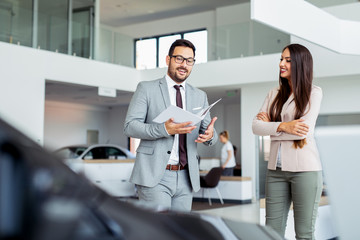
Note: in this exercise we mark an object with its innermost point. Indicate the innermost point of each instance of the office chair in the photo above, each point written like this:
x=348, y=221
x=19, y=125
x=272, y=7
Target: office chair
x=211, y=180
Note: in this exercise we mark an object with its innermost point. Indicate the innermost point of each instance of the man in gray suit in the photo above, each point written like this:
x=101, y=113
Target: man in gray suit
x=166, y=169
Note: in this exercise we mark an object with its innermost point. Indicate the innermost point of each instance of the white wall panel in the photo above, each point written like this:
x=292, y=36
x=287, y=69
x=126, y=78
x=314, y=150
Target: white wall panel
x=67, y=124
x=309, y=22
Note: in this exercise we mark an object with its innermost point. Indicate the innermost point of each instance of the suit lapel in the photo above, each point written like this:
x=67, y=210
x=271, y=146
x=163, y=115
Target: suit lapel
x=165, y=92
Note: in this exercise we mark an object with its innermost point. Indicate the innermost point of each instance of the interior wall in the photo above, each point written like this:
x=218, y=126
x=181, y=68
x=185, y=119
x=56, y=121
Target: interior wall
x=22, y=91
x=169, y=25
x=228, y=119
x=348, y=11
x=340, y=95
x=116, y=134
x=213, y=151
x=338, y=119
x=23, y=74
x=67, y=124
x=252, y=98
x=233, y=126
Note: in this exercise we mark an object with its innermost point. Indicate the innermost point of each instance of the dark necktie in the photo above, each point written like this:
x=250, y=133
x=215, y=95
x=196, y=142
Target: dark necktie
x=182, y=137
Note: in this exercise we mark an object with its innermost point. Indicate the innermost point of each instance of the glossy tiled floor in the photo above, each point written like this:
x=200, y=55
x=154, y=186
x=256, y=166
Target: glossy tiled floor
x=251, y=213
x=241, y=212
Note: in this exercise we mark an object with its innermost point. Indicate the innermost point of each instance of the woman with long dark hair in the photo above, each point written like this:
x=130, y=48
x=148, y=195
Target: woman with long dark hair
x=294, y=173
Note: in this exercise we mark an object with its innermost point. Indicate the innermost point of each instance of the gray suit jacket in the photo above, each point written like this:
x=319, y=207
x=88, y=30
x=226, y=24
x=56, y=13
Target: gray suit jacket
x=153, y=153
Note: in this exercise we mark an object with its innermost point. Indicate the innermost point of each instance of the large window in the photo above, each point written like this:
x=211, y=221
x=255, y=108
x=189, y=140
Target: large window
x=146, y=53
x=151, y=52
x=164, y=45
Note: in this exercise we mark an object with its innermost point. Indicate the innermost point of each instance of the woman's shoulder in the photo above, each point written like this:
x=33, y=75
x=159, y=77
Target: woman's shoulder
x=275, y=89
x=316, y=90
x=273, y=92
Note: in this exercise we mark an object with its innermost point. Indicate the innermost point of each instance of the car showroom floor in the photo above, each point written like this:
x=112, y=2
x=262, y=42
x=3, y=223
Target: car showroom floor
x=247, y=212
x=238, y=212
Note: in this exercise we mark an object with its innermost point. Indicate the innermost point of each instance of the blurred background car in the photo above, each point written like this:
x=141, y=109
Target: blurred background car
x=97, y=151
x=106, y=165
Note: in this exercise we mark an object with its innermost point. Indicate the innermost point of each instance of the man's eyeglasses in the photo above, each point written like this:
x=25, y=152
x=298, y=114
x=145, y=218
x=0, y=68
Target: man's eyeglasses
x=180, y=59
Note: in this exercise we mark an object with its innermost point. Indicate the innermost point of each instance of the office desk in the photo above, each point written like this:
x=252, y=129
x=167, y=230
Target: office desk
x=233, y=189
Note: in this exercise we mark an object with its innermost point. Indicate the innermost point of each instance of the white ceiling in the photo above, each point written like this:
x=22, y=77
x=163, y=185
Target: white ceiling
x=118, y=13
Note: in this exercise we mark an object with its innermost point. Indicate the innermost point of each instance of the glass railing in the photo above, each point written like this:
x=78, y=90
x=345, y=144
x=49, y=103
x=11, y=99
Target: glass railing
x=114, y=47
x=245, y=39
x=106, y=45
x=16, y=22
x=224, y=42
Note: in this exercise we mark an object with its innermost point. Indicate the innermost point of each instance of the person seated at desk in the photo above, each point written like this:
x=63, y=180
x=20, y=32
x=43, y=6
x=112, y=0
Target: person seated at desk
x=227, y=155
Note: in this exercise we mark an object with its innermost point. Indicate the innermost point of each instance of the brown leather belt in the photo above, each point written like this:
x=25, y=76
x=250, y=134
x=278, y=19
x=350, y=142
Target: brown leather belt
x=176, y=167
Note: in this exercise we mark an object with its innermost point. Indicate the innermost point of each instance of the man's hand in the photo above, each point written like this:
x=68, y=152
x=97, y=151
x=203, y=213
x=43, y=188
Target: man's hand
x=208, y=134
x=178, y=128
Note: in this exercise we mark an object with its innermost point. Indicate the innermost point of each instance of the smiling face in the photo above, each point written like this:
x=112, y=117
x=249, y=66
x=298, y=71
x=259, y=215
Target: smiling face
x=179, y=72
x=285, y=65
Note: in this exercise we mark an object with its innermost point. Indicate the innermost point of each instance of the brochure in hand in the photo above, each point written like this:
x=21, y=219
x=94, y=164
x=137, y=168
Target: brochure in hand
x=180, y=115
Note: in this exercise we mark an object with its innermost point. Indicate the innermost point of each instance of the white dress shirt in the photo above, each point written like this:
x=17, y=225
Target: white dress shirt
x=174, y=156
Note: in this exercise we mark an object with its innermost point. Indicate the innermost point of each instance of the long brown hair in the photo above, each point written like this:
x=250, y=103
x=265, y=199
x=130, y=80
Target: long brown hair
x=301, y=83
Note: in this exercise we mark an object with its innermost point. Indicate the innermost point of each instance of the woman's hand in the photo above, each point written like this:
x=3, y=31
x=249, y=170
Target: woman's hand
x=296, y=127
x=263, y=116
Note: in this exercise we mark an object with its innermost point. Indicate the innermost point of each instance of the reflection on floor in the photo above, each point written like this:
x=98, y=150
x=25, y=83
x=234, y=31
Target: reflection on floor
x=238, y=212
x=204, y=205
x=252, y=213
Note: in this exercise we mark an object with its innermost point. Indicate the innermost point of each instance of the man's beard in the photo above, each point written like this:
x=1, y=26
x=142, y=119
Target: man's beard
x=174, y=76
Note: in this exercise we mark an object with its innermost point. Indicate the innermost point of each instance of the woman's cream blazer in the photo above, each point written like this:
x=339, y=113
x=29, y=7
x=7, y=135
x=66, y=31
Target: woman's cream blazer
x=292, y=159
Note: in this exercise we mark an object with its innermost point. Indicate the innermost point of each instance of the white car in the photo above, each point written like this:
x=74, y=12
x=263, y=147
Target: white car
x=106, y=165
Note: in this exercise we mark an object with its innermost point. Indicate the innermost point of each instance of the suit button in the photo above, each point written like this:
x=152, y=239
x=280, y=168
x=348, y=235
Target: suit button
x=168, y=152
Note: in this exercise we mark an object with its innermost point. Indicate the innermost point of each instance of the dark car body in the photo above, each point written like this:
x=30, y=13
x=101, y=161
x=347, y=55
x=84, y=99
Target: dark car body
x=42, y=199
